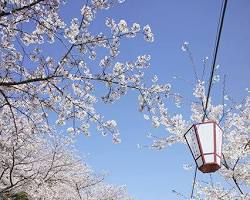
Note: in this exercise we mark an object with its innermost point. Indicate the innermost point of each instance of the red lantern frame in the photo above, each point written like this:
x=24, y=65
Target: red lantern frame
x=207, y=167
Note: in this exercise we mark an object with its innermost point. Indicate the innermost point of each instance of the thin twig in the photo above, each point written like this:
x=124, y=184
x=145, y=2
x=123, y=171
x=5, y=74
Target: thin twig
x=194, y=181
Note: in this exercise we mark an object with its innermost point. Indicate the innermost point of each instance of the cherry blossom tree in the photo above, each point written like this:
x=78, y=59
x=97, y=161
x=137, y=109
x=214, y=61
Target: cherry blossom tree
x=34, y=84
x=45, y=166
x=37, y=87
x=232, y=116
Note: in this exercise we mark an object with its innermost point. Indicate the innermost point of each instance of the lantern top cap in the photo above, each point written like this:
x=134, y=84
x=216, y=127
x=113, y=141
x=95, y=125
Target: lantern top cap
x=206, y=122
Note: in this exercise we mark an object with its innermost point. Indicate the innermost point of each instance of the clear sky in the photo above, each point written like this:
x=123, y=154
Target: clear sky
x=150, y=174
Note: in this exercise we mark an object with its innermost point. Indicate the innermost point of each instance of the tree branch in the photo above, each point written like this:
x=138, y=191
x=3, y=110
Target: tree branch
x=194, y=181
x=236, y=183
x=19, y=9
x=28, y=81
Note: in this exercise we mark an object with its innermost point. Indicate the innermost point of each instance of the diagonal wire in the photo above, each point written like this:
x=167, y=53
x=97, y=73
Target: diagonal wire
x=217, y=42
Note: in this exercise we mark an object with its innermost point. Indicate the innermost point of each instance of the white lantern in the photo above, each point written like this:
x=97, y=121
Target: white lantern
x=205, y=143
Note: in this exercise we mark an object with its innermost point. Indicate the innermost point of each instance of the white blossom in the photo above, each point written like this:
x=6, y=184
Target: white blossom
x=146, y=117
x=148, y=35
x=87, y=13
x=184, y=47
x=136, y=27
x=122, y=25
x=70, y=130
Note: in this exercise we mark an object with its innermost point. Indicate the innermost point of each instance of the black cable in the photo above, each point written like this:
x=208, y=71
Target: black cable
x=218, y=35
x=194, y=182
x=215, y=54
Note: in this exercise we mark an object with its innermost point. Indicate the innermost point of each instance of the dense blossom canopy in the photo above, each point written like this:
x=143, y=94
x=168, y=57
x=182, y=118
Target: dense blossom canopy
x=34, y=84
x=45, y=166
x=37, y=87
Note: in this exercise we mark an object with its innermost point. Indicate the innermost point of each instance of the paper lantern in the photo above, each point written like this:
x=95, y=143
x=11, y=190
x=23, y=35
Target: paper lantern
x=205, y=143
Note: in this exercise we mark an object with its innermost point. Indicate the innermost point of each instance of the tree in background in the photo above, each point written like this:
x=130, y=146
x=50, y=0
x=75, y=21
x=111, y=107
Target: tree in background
x=45, y=166
x=36, y=88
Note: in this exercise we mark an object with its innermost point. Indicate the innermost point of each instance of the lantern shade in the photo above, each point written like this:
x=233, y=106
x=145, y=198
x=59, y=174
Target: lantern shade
x=205, y=143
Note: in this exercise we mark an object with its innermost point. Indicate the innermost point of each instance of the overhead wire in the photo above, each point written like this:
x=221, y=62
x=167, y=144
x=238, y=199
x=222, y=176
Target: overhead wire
x=217, y=42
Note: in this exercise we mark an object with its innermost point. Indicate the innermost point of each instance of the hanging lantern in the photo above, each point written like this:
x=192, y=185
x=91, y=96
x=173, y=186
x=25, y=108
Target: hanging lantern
x=205, y=143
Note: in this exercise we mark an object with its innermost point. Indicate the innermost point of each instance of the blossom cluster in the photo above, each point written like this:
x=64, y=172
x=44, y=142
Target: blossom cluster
x=65, y=85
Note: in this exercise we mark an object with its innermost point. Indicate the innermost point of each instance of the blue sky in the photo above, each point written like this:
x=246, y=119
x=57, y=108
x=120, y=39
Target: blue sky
x=149, y=174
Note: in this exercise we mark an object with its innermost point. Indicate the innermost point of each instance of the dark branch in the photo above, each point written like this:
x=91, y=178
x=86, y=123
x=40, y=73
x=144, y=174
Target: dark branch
x=236, y=183
x=28, y=81
x=19, y=9
x=194, y=181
